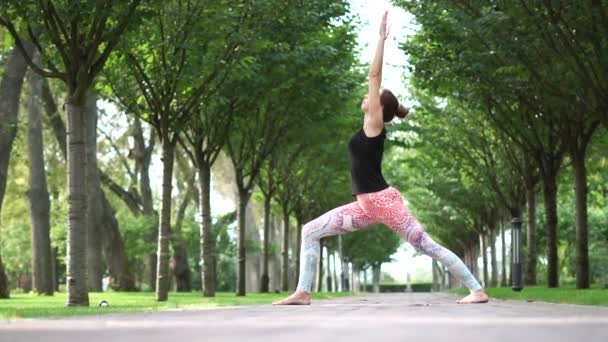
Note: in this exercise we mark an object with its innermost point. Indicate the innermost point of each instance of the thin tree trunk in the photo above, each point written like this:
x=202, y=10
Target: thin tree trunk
x=344, y=266
x=77, y=231
x=162, y=265
x=484, y=257
x=4, y=288
x=320, y=275
x=207, y=241
x=334, y=272
x=530, y=269
x=503, y=281
x=285, y=250
x=376, y=269
x=265, y=279
x=242, y=220
x=355, y=277
x=550, y=195
x=122, y=278
x=181, y=270
x=493, y=262
x=95, y=265
x=298, y=250
x=475, y=250
x=42, y=277
x=582, y=239
x=328, y=277
x=55, y=268
x=10, y=88
x=144, y=159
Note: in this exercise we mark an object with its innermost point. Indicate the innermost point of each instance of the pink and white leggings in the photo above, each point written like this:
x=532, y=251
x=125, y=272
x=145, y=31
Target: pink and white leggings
x=384, y=207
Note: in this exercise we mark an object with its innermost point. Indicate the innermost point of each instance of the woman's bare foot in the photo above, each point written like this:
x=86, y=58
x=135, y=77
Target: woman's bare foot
x=297, y=298
x=476, y=297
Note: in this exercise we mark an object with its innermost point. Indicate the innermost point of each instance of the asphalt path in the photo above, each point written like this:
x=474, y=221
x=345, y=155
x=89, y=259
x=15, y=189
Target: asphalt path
x=377, y=318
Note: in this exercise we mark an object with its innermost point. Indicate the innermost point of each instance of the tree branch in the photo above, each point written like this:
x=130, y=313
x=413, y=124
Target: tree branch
x=24, y=51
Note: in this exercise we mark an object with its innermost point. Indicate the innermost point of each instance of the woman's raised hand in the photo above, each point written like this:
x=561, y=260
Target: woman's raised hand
x=384, y=31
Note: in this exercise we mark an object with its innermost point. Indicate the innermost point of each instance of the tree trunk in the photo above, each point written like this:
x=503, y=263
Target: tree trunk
x=550, y=195
x=299, y=250
x=582, y=239
x=484, y=257
x=162, y=265
x=144, y=159
x=77, y=231
x=4, y=289
x=207, y=241
x=376, y=271
x=285, y=250
x=530, y=269
x=10, y=88
x=355, y=278
x=328, y=277
x=181, y=270
x=42, y=277
x=334, y=272
x=114, y=250
x=264, y=286
x=113, y=245
x=503, y=281
x=343, y=267
x=475, y=249
x=242, y=218
x=95, y=265
x=493, y=263
x=320, y=267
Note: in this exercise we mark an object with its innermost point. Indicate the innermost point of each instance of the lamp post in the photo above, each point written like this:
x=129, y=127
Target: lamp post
x=516, y=266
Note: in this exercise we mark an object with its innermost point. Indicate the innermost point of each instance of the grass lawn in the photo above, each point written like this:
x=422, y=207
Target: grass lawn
x=30, y=305
x=564, y=294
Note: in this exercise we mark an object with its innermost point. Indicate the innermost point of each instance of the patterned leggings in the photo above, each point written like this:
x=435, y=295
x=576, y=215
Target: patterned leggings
x=384, y=207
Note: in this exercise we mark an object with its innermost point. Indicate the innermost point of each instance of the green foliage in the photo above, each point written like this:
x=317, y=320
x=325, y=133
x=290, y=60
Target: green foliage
x=370, y=246
x=501, y=90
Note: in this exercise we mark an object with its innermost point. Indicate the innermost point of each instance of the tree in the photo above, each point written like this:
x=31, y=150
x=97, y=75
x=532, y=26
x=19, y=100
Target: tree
x=371, y=247
x=171, y=90
x=226, y=57
x=495, y=73
x=82, y=44
x=113, y=244
x=290, y=42
x=42, y=277
x=10, y=88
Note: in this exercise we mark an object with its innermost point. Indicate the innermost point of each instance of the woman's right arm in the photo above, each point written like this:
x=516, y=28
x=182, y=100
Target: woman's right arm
x=375, y=77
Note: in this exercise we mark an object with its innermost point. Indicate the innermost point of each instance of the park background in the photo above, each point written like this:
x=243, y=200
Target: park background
x=509, y=114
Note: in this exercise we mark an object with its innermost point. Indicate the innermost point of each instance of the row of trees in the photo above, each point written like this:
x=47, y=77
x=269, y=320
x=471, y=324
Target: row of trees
x=264, y=83
x=511, y=102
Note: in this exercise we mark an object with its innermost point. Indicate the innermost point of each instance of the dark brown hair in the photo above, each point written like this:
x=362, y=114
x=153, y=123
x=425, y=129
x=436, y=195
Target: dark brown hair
x=391, y=106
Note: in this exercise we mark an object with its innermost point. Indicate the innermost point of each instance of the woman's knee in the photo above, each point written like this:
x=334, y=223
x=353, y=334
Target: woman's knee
x=310, y=231
x=415, y=238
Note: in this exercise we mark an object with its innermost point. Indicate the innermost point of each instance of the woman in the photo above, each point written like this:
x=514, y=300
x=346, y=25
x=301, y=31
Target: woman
x=377, y=202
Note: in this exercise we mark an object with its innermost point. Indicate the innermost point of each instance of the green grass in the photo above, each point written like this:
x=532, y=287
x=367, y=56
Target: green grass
x=31, y=305
x=564, y=294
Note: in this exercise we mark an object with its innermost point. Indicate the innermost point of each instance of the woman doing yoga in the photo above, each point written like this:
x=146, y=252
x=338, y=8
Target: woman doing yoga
x=377, y=202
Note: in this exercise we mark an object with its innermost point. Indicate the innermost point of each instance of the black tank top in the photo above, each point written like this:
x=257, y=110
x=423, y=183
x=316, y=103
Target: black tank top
x=366, y=162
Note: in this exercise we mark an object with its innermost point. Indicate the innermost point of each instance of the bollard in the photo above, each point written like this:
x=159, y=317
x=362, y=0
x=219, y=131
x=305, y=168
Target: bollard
x=516, y=267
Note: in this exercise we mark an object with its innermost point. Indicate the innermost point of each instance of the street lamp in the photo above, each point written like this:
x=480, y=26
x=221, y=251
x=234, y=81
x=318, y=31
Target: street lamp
x=516, y=267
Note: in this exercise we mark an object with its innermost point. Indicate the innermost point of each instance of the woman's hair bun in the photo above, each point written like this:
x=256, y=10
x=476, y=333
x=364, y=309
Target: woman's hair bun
x=402, y=111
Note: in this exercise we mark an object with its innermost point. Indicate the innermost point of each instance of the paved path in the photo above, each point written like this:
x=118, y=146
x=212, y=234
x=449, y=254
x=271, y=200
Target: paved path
x=370, y=318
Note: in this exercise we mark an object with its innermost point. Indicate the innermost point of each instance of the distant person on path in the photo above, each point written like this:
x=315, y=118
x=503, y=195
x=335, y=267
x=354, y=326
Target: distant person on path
x=377, y=202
